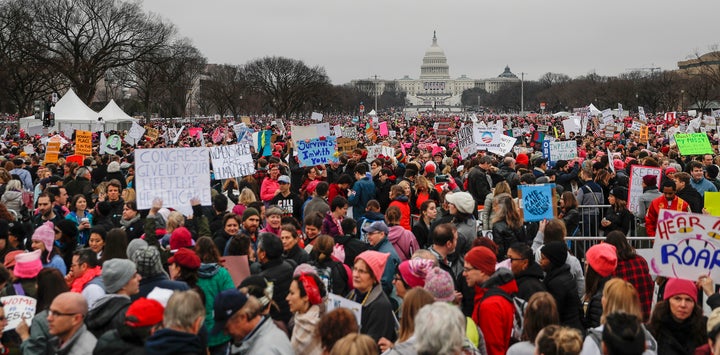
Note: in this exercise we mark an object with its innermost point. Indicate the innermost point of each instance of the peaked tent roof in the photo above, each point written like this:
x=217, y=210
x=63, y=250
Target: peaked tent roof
x=113, y=113
x=71, y=108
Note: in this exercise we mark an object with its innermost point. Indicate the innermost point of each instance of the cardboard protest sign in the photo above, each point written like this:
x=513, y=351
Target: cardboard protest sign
x=79, y=159
x=537, y=202
x=636, y=174
x=83, y=142
x=174, y=174
x=466, y=141
x=317, y=151
x=301, y=133
x=152, y=133
x=335, y=301
x=245, y=120
x=686, y=246
x=370, y=133
x=712, y=203
x=16, y=308
x=316, y=116
x=693, y=143
x=231, y=161
x=346, y=144
x=643, y=136
x=52, y=152
x=238, y=267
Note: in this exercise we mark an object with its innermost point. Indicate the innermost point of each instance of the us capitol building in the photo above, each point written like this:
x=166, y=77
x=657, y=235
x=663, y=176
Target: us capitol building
x=435, y=89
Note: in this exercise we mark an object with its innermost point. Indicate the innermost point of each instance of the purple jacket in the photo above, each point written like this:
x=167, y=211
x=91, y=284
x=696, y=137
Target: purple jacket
x=330, y=227
x=403, y=241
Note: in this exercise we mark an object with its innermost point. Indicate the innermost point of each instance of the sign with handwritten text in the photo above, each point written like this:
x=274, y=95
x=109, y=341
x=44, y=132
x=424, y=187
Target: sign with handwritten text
x=16, y=308
x=693, y=143
x=686, y=246
x=174, y=174
x=231, y=161
x=637, y=172
x=83, y=142
x=317, y=151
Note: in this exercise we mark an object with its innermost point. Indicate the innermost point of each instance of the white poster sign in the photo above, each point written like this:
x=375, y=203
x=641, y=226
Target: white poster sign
x=135, y=133
x=316, y=116
x=334, y=301
x=636, y=174
x=373, y=152
x=466, y=141
x=175, y=175
x=563, y=150
x=231, y=161
x=16, y=308
x=301, y=133
x=571, y=124
x=505, y=146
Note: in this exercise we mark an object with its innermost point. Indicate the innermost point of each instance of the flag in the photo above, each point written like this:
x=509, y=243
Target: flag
x=538, y=136
x=556, y=132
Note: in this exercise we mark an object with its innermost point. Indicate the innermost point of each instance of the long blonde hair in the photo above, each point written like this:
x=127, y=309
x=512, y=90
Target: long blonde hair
x=620, y=296
x=507, y=211
x=246, y=196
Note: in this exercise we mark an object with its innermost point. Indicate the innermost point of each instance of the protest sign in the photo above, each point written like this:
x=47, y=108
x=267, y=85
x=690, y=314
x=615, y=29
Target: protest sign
x=346, y=144
x=370, y=133
x=712, y=203
x=152, y=133
x=537, y=202
x=83, y=142
x=301, y=133
x=387, y=151
x=373, y=151
x=384, y=129
x=693, y=143
x=466, y=141
x=238, y=267
x=349, y=132
x=217, y=135
x=337, y=131
x=78, y=159
x=135, y=133
x=643, y=136
x=641, y=113
x=563, y=150
x=505, y=146
x=635, y=126
x=636, y=174
x=334, y=301
x=174, y=174
x=246, y=120
x=485, y=139
x=264, y=144
x=112, y=144
x=29, y=149
x=52, y=152
x=392, y=132
x=316, y=116
x=571, y=124
x=281, y=127
x=317, y=151
x=686, y=246
x=231, y=161
x=18, y=308
x=542, y=128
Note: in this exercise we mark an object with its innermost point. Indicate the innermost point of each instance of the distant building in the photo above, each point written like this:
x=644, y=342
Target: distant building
x=435, y=89
x=708, y=62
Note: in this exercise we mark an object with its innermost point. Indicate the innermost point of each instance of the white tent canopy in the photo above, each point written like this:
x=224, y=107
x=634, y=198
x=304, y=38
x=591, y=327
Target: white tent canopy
x=71, y=113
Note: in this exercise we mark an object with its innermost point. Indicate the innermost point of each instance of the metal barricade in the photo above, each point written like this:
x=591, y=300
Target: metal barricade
x=579, y=243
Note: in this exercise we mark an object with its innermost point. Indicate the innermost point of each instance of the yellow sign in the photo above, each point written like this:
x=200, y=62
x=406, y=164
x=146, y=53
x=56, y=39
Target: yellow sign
x=52, y=152
x=712, y=203
x=152, y=133
x=246, y=120
x=346, y=144
x=643, y=134
x=83, y=143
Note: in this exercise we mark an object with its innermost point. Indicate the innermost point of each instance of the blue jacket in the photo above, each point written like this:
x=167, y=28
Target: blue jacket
x=363, y=191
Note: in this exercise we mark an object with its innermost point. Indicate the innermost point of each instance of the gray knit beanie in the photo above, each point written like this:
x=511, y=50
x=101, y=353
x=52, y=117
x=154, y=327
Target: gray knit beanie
x=116, y=273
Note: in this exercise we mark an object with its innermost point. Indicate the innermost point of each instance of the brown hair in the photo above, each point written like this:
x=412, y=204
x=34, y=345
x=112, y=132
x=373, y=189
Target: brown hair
x=414, y=299
x=206, y=249
x=555, y=231
x=541, y=311
x=334, y=325
x=557, y=340
x=355, y=344
x=393, y=215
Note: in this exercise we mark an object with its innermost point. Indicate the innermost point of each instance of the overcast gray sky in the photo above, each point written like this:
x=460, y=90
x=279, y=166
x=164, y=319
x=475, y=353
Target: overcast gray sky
x=388, y=38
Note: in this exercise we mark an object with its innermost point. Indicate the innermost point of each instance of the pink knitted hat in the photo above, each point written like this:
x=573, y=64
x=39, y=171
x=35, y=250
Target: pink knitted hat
x=414, y=271
x=45, y=234
x=28, y=265
x=376, y=262
x=680, y=287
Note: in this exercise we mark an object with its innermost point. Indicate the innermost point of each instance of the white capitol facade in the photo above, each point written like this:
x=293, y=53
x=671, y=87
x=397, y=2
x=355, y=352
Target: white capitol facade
x=435, y=87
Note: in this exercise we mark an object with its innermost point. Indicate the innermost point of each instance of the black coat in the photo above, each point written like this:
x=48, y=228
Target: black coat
x=561, y=285
x=530, y=281
x=297, y=255
x=112, y=343
x=478, y=184
x=280, y=273
x=594, y=308
x=692, y=197
x=107, y=313
x=353, y=247
x=504, y=237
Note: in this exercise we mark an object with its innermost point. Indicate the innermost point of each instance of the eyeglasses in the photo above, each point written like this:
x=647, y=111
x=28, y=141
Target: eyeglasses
x=53, y=313
x=514, y=259
x=468, y=268
x=360, y=271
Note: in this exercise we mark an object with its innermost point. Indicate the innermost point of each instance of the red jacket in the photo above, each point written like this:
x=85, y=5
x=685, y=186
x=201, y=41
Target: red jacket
x=651, y=217
x=404, y=207
x=494, y=315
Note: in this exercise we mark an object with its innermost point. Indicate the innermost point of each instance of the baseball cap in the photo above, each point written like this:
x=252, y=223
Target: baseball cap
x=284, y=179
x=226, y=304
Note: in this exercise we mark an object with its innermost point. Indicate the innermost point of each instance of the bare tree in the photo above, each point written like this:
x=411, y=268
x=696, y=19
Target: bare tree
x=83, y=39
x=286, y=84
x=224, y=87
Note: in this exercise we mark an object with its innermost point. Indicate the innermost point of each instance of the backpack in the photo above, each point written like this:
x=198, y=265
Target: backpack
x=326, y=275
x=519, y=305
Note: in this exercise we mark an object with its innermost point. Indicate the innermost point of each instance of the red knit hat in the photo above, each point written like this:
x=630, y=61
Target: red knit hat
x=522, y=159
x=482, y=259
x=414, y=271
x=680, y=287
x=602, y=258
x=180, y=238
x=185, y=257
x=376, y=262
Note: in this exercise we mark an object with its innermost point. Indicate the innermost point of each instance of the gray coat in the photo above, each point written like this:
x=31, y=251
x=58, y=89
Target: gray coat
x=81, y=343
x=267, y=339
x=38, y=343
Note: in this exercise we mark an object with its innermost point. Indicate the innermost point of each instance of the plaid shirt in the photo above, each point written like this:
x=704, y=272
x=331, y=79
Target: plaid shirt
x=636, y=272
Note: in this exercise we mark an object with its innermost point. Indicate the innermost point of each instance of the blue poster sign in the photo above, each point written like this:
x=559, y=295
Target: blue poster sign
x=537, y=202
x=317, y=151
x=546, y=152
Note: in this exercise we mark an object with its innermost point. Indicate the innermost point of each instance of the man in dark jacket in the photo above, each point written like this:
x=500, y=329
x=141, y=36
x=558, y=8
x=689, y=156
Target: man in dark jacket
x=114, y=199
x=142, y=318
x=276, y=270
x=81, y=185
x=479, y=182
x=350, y=242
x=362, y=191
x=507, y=171
x=566, y=175
x=121, y=281
x=528, y=273
x=561, y=285
x=182, y=322
x=686, y=192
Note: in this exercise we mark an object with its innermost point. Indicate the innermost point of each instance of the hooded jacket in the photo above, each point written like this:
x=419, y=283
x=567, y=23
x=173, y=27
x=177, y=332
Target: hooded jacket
x=403, y=241
x=561, y=285
x=402, y=203
x=494, y=314
x=213, y=279
x=530, y=281
x=107, y=313
x=12, y=200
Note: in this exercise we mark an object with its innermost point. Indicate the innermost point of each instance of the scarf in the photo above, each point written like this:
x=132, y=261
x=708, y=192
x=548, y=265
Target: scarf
x=125, y=224
x=79, y=283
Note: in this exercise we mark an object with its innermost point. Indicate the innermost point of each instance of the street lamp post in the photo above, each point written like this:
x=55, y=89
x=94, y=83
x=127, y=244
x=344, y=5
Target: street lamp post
x=376, y=93
x=522, y=92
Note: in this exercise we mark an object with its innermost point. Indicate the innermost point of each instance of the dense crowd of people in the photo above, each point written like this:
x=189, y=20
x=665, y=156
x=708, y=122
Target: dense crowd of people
x=432, y=248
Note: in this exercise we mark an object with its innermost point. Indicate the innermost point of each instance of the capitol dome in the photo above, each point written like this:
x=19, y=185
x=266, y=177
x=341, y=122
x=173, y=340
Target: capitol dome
x=434, y=63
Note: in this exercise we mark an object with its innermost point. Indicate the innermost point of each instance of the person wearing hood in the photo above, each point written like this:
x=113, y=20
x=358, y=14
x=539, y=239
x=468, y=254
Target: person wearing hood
x=377, y=237
x=121, y=281
x=378, y=320
x=494, y=310
x=528, y=274
x=212, y=279
x=182, y=324
x=560, y=283
x=12, y=197
x=363, y=190
x=402, y=239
